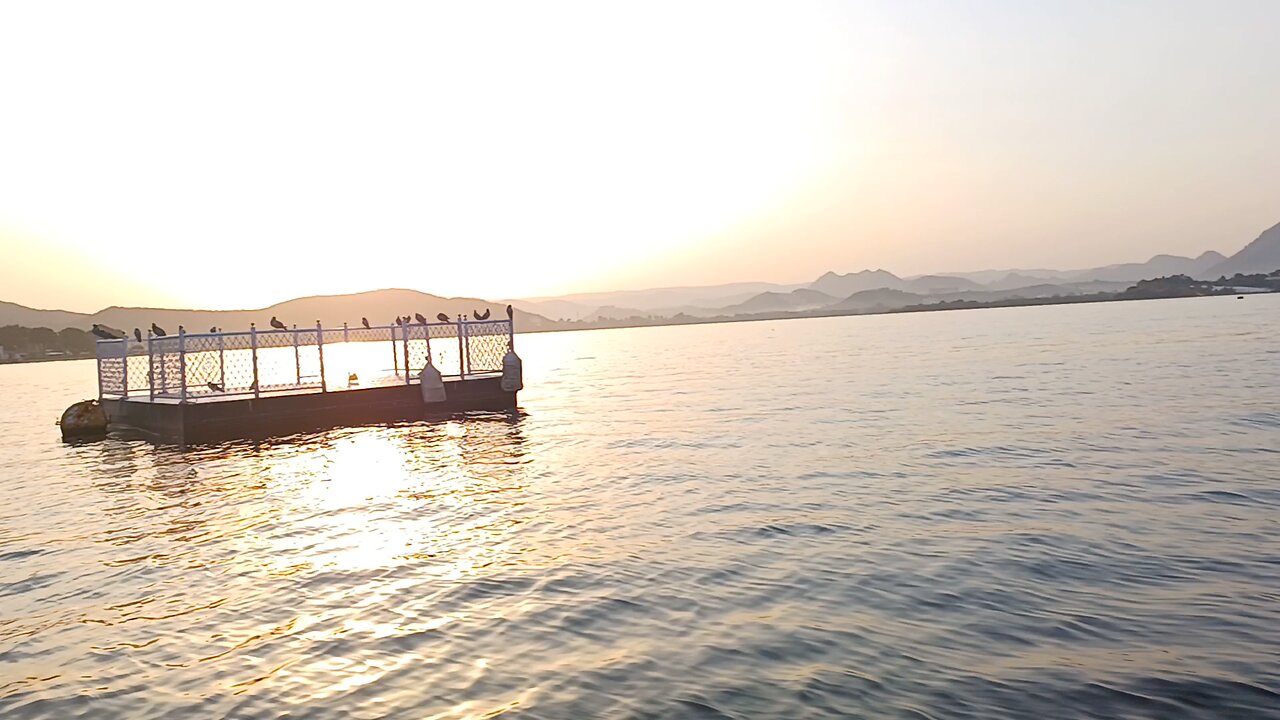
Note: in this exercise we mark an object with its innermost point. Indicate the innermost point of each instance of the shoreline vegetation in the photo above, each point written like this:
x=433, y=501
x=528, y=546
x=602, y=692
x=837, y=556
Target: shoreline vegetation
x=45, y=345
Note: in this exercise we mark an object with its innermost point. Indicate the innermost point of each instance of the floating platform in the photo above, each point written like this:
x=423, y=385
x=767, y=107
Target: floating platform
x=212, y=420
x=213, y=387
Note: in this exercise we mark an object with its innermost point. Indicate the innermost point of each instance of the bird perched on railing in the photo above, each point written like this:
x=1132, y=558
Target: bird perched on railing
x=419, y=317
x=107, y=333
x=399, y=320
x=215, y=387
x=511, y=313
x=482, y=315
x=442, y=317
x=213, y=329
x=137, y=334
x=365, y=321
x=407, y=319
x=182, y=330
x=277, y=324
x=157, y=330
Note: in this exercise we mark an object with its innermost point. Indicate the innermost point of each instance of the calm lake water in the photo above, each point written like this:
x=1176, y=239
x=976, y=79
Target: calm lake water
x=1048, y=512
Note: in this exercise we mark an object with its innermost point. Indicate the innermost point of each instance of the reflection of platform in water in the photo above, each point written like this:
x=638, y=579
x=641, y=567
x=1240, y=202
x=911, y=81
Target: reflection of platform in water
x=215, y=386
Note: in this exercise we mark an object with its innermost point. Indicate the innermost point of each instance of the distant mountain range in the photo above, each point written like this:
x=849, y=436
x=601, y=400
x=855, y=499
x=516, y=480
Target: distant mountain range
x=380, y=306
x=863, y=291
x=846, y=292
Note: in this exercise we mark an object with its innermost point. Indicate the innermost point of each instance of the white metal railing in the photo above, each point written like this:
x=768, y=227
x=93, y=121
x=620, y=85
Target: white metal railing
x=189, y=366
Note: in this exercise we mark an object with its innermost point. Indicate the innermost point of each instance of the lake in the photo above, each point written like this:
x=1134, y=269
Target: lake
x=1042, y=512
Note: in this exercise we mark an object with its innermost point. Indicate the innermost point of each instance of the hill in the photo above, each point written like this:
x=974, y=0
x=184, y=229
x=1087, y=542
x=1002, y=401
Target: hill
x=1260, y=256
x=380, y=306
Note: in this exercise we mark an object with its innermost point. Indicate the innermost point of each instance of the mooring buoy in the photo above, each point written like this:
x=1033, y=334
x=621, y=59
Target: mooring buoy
x=84, y=420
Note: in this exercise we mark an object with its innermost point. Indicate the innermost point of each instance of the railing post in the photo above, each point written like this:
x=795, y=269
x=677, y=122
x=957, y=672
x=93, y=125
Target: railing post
x=324, y=385
x=124, y=372
x=345, y=338
x=151, y=367
x=182, y=364
x=222, y=361
x=462, y=351
x=297, y=359
x=97, y=354
x=407, y=376
x=164, y=371
x=253, y=346
x=395, y=352
x=511, y=334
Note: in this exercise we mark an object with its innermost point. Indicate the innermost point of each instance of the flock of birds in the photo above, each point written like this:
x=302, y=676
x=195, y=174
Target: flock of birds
x=109, y=333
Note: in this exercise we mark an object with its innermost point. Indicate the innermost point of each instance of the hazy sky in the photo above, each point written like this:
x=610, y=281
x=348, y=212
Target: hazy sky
x=237, y=154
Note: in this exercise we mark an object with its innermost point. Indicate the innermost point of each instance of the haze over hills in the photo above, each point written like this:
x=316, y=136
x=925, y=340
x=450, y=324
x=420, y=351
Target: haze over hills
x=380, y=306
x=866, y=290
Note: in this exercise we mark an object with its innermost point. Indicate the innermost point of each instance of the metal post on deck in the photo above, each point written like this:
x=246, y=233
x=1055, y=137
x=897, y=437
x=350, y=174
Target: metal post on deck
x=395, y=354
x=97, y=351
x=124, y=372
x=222, y=360
x=462, y=351
x=511, y=334
x=297, y=359
x=324, y=386
x=182, y=364
x=164, y=371
x=345, y=338
x=151, y=367
x=406, y=354
x=253, y=346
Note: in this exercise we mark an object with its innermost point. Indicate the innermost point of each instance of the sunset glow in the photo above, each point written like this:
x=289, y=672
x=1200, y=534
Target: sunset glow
x=243, y=155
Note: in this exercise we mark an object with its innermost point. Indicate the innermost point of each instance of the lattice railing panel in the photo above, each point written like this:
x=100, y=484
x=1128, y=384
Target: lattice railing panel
x=217, y=364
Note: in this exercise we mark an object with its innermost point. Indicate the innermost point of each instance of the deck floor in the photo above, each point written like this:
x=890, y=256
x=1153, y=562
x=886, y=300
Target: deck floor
x=314, y=389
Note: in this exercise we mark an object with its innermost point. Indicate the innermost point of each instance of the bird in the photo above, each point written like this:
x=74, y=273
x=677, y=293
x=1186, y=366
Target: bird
x=107, y=333
x=215, y=387
x=157, y=330
x=137, y=334
x=182, y=330
x=399, y=320
x=442, y=317
x=481, y=315
x=353, y=379
x=406, y=319
x=421, y=320
x=511, y=313
x=277, y=324
x=365, y=321
x=213, y=329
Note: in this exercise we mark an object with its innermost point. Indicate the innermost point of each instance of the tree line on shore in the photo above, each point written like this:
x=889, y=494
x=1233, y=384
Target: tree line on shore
x=41, y=341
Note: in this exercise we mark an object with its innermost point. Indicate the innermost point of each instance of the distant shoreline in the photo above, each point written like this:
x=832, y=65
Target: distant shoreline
x=931, y=307
x=799, y=315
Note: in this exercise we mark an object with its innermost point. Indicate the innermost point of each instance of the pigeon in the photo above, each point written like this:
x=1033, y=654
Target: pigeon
x=399, y=320
x=157, y=330
x=442, y=317
x=213, y=329
x=137, y=334
x=215, y=387
x=421, y=320
x=182, y=330
x=511, y=313
x=482, y=316
x=365, y=321
x=107, y=333
x=277, y=324
x=406, y=319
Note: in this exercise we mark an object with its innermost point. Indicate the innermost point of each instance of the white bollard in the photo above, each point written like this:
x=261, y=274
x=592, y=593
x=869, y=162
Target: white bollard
x=432, y=385
x=512, y=372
